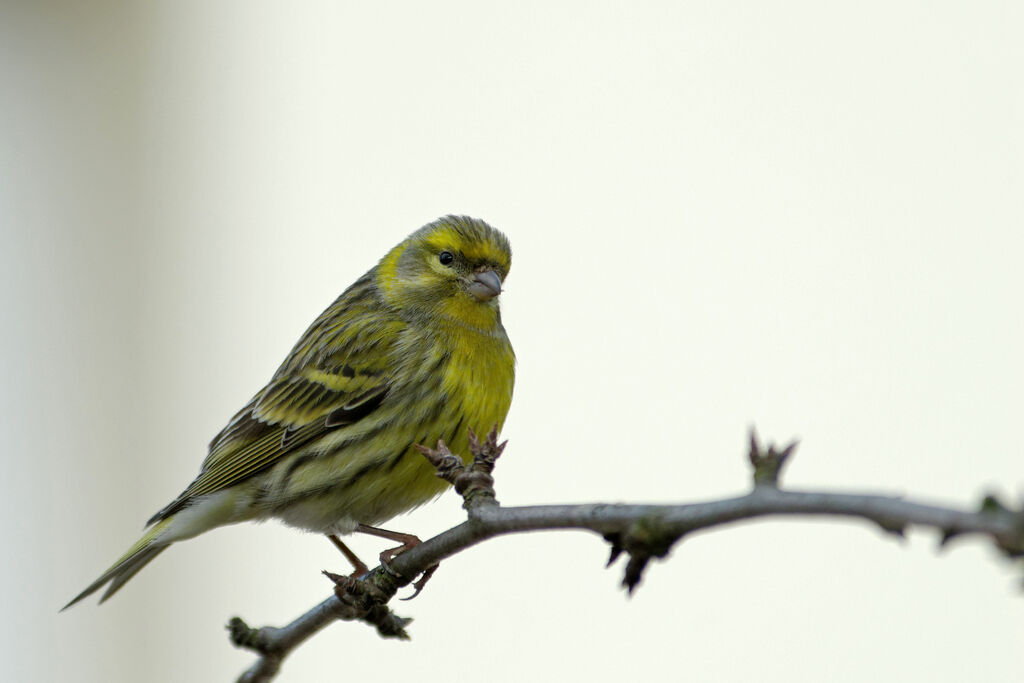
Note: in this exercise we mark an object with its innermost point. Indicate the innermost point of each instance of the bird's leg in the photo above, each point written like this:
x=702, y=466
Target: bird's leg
x=408, y=542
x=358, y=566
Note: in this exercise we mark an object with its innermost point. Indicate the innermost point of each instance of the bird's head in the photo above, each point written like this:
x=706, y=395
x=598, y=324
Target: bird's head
x=452, y=268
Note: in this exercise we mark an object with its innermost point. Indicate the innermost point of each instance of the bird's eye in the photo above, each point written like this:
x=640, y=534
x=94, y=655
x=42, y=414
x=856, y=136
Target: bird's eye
x=446, y=258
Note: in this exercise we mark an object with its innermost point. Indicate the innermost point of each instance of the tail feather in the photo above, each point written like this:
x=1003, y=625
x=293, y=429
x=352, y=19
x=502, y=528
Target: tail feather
x=132, y=568
x=137, y=557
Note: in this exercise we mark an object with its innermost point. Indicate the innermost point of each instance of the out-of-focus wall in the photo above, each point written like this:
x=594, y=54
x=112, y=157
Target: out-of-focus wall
x=795, y=214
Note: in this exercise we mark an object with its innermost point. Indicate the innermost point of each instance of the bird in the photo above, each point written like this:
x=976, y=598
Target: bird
x=412, y=352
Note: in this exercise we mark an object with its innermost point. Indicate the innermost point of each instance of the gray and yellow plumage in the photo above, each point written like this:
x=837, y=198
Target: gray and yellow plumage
x=412, y=352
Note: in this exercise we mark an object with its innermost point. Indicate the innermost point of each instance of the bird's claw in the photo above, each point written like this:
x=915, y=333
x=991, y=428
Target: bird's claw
x=422, y=581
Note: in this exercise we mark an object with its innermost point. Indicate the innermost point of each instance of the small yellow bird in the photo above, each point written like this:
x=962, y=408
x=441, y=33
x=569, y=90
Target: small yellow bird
x=414, y=351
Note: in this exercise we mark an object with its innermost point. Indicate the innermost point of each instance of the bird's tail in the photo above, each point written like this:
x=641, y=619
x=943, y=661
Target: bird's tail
x=137, y=557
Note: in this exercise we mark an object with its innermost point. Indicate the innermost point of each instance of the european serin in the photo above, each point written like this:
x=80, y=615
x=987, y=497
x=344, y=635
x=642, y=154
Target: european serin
x=412, y=352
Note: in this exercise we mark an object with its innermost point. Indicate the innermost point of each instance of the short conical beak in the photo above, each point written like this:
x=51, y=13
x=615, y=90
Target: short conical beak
x=485, y=285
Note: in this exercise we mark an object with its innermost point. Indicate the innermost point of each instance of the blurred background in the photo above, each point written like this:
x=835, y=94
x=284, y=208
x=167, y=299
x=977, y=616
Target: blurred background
x=805, y=216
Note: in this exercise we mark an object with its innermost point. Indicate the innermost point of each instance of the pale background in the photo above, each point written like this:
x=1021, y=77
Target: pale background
x=806, y=216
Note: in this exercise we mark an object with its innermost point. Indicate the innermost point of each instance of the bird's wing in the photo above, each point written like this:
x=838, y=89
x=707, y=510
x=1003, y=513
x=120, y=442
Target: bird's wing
x=333, y=378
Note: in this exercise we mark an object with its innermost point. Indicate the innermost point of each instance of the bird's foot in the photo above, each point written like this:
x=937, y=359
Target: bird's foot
x=408, y=543
x=422, y=581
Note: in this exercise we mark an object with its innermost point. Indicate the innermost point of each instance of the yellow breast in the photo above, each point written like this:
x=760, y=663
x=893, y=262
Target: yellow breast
x=480, y=376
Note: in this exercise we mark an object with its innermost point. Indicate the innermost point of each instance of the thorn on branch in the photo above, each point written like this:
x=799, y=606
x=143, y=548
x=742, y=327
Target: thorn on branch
x=894, y=527
x=473, y=482
x=768, y=465
x=1012, y=544
x=947, y=536
x=643, y=539
x=990, y=503
x=616, y=543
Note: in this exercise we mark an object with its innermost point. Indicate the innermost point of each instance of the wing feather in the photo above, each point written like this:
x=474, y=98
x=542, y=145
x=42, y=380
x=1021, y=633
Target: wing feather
x=336, y=375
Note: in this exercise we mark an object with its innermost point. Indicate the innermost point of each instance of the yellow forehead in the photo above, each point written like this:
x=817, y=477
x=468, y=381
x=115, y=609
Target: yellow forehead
x=479, y=245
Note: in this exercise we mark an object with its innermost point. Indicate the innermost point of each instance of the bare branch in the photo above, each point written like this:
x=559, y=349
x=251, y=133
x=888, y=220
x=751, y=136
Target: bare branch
x=641, y=531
